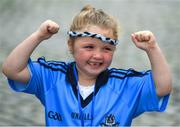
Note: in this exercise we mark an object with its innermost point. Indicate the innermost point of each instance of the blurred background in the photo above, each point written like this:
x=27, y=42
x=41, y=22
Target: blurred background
x=19, y=18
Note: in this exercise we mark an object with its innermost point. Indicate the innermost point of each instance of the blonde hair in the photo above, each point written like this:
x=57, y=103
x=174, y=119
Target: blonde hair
x=91, y=16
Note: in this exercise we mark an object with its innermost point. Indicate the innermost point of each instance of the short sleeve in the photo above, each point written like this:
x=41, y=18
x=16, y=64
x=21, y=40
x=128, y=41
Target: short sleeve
x=148, y=99
x=34, y=85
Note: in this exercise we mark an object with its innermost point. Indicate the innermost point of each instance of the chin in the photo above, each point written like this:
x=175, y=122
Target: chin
x=95, y=74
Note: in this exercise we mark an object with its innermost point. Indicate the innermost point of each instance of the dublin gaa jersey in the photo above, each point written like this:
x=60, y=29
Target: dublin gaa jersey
x=119, y=95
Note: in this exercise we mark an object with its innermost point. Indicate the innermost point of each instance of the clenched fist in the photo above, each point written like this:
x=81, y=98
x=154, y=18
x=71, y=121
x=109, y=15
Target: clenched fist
x=47, y=29
x=144, y=40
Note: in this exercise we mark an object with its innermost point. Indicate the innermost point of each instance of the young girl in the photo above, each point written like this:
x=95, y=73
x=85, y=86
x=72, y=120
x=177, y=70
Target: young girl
x=86, y=92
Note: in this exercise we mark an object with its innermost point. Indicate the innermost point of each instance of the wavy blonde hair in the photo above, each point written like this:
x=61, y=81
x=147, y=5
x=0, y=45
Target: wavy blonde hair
x=91, y=16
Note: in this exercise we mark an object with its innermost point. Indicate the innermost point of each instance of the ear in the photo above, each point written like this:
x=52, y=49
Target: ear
x=70, y=45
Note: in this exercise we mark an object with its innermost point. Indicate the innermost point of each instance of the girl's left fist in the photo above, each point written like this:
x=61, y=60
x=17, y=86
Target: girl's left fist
x=144, y=40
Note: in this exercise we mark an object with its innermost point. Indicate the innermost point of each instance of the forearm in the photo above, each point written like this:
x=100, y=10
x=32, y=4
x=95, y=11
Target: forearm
x=146, y=41
x=161, y=71
x=15, y=66
x=18, y=58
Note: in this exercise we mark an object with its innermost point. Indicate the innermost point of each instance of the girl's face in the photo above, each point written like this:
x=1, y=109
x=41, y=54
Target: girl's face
x=92, y=56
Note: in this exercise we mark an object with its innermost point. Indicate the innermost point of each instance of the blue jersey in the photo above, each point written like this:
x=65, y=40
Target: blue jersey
x=119, y=95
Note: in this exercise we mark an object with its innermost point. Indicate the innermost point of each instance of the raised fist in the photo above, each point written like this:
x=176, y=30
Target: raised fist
x=144, y=40
x=47, y=29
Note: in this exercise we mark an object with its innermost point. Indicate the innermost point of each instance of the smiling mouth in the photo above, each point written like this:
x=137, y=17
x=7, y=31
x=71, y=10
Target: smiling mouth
x=95, y=64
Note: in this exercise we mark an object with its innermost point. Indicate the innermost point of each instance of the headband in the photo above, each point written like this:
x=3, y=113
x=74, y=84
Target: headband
x=93, y=35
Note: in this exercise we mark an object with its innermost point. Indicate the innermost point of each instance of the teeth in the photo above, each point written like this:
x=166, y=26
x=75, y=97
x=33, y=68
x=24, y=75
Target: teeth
x=94, y=64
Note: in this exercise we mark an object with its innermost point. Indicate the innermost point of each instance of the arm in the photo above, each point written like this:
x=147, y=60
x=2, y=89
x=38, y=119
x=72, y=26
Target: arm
x=15, y=66
x=146, y=41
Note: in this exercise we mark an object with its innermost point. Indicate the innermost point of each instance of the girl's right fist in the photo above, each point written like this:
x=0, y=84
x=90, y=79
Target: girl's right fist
x=47, y=29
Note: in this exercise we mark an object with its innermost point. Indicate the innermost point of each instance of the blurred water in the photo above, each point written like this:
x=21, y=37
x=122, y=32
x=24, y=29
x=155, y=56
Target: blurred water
x=19, y=18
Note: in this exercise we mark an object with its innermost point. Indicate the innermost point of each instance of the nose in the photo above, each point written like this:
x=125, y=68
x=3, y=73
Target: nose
x=98, y=54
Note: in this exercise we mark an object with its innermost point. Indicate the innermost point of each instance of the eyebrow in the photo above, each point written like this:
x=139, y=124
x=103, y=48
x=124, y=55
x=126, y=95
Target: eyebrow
x=93, y=35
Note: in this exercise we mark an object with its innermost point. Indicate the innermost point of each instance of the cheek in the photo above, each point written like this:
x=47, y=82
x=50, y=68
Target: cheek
x=108, y=57
x=80, y=55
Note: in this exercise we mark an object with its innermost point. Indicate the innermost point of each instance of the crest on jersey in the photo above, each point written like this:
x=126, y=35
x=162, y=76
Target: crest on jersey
x=110, y=121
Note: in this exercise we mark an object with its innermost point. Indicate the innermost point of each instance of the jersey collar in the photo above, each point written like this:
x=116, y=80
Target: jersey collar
x=71, y=78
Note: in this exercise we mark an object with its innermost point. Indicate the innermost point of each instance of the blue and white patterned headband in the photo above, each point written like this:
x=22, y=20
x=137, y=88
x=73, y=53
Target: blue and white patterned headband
x=90, y=34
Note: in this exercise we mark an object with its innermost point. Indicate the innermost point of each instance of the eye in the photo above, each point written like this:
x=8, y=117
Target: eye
x=108, y=49
x=89, y=47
